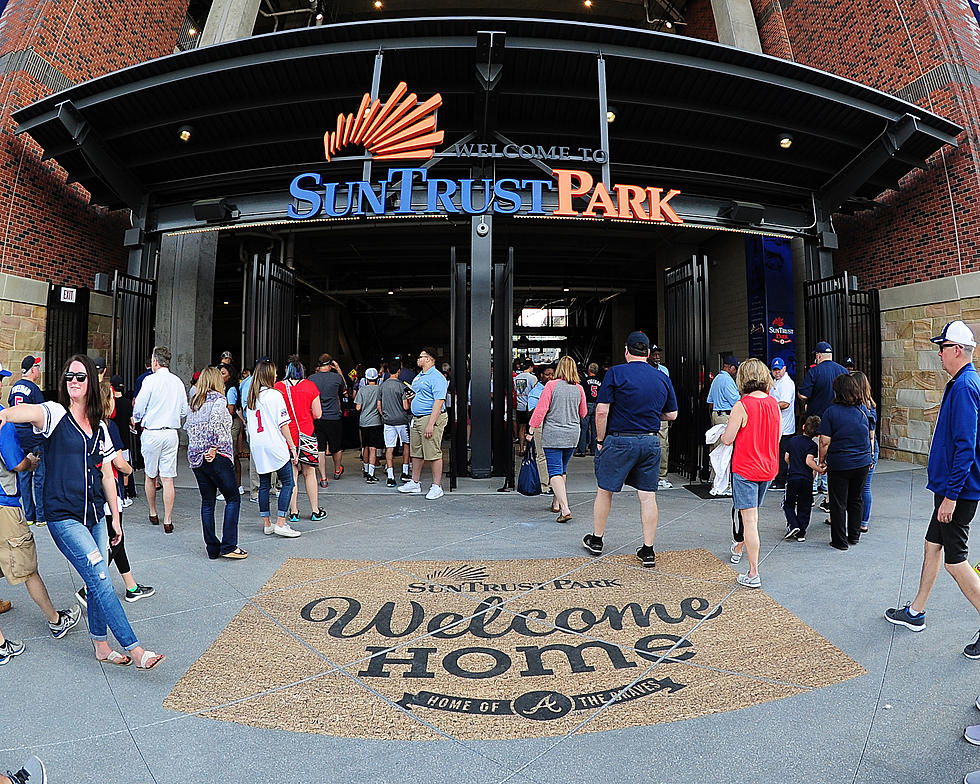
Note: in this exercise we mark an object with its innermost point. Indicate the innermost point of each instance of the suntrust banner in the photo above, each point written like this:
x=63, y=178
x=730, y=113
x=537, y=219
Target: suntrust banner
x=314, y=197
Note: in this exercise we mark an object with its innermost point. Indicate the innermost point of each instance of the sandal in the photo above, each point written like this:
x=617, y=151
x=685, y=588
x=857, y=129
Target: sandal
x=117, y=658
x=149, y=660
x=554, y=509
x=154, y=519
x=238, y=552
x=338, y=474
x=564, y=518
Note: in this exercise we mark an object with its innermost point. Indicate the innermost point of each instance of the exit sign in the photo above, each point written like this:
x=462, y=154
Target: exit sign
x=68, y=295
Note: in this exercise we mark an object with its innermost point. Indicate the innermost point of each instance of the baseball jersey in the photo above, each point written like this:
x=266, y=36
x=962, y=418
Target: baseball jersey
x=268, y=447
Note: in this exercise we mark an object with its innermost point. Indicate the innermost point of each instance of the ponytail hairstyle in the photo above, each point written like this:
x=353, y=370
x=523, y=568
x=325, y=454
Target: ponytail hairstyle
x=108, y=398
x=294, y=370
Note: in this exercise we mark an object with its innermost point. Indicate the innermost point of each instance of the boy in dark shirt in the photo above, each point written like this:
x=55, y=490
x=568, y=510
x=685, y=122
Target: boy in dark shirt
x=801, y=455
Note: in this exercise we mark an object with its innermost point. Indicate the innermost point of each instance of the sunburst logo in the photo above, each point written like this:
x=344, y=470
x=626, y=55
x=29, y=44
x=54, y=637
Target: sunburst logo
x=401, y=129
x=461, y=573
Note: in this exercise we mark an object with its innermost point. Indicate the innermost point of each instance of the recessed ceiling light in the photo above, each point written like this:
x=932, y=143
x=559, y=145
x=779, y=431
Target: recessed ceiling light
x=377, y=3
x=565, y=289
x=184, y=133
x=227, y=302
x=588, y=3
x=668, y=24
x=390, y=291
x=785, y=141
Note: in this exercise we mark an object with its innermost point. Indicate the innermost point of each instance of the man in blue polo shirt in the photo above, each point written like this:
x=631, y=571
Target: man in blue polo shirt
x=722, y=396
x=633, y=399
x=817, y=389
x=429, y=419
x=954, y=478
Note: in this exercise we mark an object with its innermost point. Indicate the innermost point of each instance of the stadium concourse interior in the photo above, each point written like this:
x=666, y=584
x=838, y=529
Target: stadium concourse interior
x=366, y=294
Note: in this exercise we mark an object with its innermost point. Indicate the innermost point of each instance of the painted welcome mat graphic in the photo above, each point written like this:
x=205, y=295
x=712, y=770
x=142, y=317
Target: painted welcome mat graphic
x=503, y=649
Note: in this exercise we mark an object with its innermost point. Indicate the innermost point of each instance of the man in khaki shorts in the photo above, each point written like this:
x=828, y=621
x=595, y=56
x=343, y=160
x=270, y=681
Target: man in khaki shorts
x=428, y=424
x=18, y=553
x=160, y=406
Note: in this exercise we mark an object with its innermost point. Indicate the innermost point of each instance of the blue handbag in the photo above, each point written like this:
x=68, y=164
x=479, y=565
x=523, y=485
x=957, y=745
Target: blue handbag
x=529, y=480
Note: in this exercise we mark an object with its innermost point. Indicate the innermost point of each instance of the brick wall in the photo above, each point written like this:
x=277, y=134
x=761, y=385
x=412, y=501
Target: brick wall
x=47, y=229
x=700, y=21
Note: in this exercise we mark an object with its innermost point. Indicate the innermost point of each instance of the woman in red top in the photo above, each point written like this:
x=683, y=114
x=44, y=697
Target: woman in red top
x=303, y=402
x=754, y=428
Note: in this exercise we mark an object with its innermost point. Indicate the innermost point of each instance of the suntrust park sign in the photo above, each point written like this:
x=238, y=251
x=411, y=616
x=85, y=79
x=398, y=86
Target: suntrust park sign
x=503, y=649
x=315, y=197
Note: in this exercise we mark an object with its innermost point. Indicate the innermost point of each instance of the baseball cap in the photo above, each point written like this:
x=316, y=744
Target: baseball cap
x=117, y=383
x=849, y=362
x=732, y=360
x=371, y=374
x=655, y=347
x=956, y=332
x=638, y=344
x=99, y=363
x=29, y=363
x=778, y=364
x=4, y=373
x=823, y=347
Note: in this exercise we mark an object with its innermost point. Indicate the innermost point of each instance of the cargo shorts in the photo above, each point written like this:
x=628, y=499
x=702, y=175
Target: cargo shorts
x=18, y=553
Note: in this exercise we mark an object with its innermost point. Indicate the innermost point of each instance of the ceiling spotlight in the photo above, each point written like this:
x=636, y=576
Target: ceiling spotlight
x=184, y=133
x=319, y=17
x=565, y=289
x=610, y=114
x=192, y=31
x=785, y=141
x=390, y=292
x=588, y=3
x=227, y=302
x=668, y=24
x=377, y=3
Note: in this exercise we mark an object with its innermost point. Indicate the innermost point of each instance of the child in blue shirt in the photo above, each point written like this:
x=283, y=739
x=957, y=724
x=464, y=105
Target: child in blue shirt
x=801, y=455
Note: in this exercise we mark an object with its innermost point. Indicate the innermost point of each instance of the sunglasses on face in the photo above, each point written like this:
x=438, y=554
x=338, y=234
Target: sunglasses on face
x=76, y=376
x=945, y=346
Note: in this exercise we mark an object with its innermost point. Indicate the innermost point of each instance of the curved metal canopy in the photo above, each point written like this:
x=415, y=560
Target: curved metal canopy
x=692, y=113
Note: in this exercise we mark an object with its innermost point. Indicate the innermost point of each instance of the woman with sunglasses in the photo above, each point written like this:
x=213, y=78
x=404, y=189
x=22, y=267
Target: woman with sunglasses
x=80, y=483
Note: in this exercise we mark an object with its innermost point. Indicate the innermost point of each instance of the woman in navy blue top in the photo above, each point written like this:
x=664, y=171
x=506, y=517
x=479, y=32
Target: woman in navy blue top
x=846, y=435
x=78, y=485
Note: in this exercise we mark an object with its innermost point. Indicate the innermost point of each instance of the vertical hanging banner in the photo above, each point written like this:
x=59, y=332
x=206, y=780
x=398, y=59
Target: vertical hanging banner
x=771, y=306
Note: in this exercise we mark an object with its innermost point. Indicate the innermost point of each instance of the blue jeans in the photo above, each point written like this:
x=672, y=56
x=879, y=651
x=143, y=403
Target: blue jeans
x=557, y=460
x=88, y=551
x=866, y=493
x=586, y=441
x=747, y=493
x=285, y=474
x=30, y=485
x=219, y=475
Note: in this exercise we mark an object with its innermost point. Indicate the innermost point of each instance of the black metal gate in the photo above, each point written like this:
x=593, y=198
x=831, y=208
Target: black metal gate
x=269, y=327
x=686, y=339
x=66, y=332
x=850, y=320
x=459, y=337
x=503, y=379
x=134, y=302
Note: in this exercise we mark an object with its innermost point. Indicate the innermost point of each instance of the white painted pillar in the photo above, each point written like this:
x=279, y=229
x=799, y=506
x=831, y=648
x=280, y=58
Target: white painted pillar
x=735, y=23
x=229, y=20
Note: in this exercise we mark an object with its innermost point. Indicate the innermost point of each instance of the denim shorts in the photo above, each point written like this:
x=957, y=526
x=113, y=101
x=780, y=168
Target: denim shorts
x=747, y=494
x=631, y=460
x=558, y=460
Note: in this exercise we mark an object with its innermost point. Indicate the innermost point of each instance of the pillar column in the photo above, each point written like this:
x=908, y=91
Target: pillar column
x=229, y=20
x=481, y=276
x=185, y=300
x=735, y=23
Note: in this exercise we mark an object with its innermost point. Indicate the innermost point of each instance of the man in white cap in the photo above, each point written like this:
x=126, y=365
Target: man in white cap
x=954, y=478
x=368, y=402
x=784, y=391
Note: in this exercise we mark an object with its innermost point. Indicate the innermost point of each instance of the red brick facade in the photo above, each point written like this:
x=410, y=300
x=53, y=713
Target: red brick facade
x=700, y=21
x=930, y=227
x=47, y=229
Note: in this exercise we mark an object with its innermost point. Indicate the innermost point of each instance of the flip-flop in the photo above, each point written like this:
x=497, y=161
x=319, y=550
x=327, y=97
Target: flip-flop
x=564, y=518
x=154, y=519
x=149, y=656
x=168, y=528
x=117, y=658
x=238, y=552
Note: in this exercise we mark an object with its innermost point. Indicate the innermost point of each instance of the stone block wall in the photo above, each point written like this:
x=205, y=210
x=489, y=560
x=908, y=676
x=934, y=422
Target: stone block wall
x=22, y=328
x=913, y=379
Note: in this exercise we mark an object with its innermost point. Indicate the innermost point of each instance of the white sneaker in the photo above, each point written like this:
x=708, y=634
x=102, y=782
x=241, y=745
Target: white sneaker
x=285, y=530
x=410, y=487
x=664, y=484
x=434, y=492
x=220, y=497
x=127, y=502
x=749, y=582
x=269, y=530
x=241, y=490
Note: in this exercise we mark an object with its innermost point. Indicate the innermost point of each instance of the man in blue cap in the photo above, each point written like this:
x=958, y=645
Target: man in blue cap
x=633, y=400
x=784, y=391
x=817, y=389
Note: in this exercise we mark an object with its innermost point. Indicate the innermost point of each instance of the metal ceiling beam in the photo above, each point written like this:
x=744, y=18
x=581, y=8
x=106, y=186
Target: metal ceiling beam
x=867, y=163
x=99, y=159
